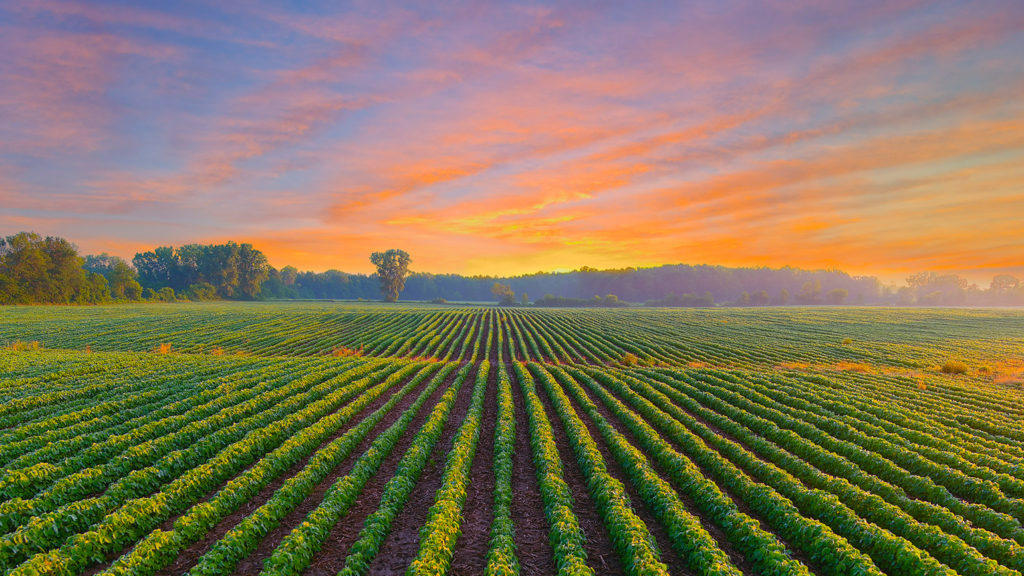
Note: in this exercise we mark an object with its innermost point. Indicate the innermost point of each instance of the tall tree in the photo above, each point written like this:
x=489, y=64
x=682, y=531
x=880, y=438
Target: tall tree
x=253, y=270
x=392, y=270
x=157, y=268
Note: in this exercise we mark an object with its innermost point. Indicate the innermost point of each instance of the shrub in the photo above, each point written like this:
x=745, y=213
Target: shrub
x=629, y=359
x=954, y=367
x=202, y=291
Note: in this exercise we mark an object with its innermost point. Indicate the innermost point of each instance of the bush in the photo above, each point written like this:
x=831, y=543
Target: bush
x=954, y=367
x=202, y=291
x=438, y=301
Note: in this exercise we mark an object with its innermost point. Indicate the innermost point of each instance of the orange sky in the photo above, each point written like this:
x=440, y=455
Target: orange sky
x=877, y=137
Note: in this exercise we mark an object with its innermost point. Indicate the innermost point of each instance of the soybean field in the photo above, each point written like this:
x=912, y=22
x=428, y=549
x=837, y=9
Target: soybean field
x=328, y=438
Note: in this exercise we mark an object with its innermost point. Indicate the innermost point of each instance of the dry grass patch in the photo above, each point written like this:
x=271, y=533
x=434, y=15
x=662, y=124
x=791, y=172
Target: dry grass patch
x=855, y=367
x=19, y=346
x=1006, y=372
x=954, y=367
x=342, y=351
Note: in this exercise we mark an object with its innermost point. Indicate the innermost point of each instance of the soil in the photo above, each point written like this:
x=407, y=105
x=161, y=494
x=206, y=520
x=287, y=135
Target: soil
x=168, y=524
x=191, y=555
x=601, y=554
x=668, y=555
x=743, y=507
x=536, y=557
x=401, y=545
x=470, y=554
x=254, y=562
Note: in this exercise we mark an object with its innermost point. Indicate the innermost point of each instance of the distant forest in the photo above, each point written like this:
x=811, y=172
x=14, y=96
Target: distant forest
x=34, y=269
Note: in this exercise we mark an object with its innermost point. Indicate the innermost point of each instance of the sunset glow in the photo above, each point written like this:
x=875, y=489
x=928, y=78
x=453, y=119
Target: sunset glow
x=880, y=138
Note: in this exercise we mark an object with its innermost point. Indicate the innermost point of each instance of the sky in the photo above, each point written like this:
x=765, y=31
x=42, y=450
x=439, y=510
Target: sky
x=877, y=137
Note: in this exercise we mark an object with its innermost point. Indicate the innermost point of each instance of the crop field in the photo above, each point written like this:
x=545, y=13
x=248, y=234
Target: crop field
x=351, y=438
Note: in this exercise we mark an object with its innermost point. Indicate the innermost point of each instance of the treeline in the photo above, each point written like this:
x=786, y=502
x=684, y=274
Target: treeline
x=671, y=285
x=204, y=271
x=34, y=269
x=606, y=301
x=49, y=270
x=37, y=270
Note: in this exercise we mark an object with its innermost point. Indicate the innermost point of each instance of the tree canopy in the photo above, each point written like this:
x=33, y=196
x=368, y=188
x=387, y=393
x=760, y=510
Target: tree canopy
x=47, y=270
x=235, y=271
x=392, y=270
x=504, y=294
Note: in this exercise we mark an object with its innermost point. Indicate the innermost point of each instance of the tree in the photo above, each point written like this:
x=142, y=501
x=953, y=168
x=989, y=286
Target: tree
x=1005, y=289
x=525, y=299
x=934, y=289
x=392, y=270
x=156, y=268
x=253, y=270
x=47, y=270
x=121, y=277
x=234, y=270
x=810, y=292
x=837, y=296
x=504, y=293
x=95, y=289
x=760, y=298
x=783, y=298
x=288, y=275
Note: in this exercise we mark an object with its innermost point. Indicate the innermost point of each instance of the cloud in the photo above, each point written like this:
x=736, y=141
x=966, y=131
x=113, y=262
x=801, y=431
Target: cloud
x=508, y=138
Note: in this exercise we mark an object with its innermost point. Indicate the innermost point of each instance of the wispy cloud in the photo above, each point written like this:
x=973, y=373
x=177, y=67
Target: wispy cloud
x=516, y=137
